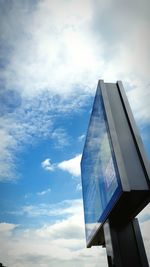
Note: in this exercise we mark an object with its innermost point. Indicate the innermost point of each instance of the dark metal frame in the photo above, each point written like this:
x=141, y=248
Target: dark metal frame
x=124, y=245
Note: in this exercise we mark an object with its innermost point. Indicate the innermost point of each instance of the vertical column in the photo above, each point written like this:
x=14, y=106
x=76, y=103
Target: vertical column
x=124, y=245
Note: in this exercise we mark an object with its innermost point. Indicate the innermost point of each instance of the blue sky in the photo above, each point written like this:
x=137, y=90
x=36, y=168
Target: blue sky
x=52, y=54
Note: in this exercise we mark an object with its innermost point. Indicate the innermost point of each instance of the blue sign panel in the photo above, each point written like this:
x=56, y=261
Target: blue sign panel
x=100, y=179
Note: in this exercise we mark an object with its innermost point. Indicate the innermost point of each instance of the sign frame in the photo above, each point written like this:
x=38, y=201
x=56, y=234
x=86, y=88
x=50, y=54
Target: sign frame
x=127, y=146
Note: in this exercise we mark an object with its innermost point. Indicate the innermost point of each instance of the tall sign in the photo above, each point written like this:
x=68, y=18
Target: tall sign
x=114, y=168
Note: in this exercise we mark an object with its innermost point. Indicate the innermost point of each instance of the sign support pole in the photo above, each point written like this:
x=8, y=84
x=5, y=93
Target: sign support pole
x=124, y=244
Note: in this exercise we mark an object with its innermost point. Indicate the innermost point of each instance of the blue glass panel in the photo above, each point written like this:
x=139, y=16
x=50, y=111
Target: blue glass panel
x=100, y=180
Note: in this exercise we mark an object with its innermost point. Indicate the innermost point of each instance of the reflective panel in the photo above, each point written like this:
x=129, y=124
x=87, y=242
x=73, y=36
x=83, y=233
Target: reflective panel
x=100, y=179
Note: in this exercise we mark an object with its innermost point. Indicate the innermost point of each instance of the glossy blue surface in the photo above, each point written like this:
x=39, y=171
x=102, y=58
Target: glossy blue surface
x=100, y=179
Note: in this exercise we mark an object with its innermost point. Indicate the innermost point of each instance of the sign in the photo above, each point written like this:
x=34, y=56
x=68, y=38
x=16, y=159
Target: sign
x=100, y=178
x=114, y=168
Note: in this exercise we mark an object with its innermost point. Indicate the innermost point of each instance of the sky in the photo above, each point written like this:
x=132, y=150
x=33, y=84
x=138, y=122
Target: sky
x=52, y=54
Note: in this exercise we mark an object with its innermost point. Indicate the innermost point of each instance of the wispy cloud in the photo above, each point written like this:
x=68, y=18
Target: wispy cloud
x=64, y=208
x=34, y=118
x=60, y=138
x=53, y=62
x=44, y=192
x=81, y=137
x=23, y=126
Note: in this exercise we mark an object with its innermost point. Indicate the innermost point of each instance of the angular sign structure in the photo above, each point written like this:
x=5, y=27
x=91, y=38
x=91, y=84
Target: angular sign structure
x=114, y=168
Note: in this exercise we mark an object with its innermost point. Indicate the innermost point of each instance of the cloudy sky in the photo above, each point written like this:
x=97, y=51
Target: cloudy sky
x=52, y=53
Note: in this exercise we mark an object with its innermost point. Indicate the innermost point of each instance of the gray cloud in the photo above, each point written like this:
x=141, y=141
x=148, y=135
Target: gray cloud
x=123, y=28
x=9, y=101
x=61, y=243
x=115, y=21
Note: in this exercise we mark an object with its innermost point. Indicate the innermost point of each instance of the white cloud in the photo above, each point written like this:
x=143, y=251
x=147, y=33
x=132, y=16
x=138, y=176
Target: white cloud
x=72, y=165
x=65, y=229
x=126, y=56
x=145, y=234
x=60, y=244
x=44, y=192
x=139, y=98
x=55, y=56
x=64, y=208
x=61, y=49
x=81, y=137
x=34, y=118
x=6, y=229
x=21, y=127
x=56, y=51
x=7, y=169
x=60, y=138
x=47, y=165
x=69, y=48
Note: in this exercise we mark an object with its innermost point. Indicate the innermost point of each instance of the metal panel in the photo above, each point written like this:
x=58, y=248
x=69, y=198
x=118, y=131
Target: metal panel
x=124, y=245
x=126, y=141
x=135, y=132
x=114, y=137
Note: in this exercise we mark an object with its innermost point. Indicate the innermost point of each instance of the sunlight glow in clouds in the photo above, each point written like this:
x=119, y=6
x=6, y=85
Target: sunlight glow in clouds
x=63, y=48
x=57, y=55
